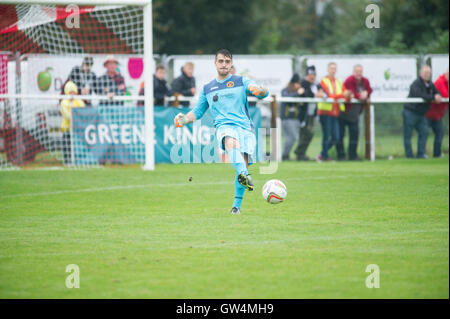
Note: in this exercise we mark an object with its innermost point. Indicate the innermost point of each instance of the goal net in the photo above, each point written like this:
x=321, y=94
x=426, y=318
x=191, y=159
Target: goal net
x=72, y=85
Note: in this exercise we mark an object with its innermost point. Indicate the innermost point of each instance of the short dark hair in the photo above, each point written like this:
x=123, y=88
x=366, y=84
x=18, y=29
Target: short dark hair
x=295, y=78
x=225, y=53
x=160, y=67
x=88, y=60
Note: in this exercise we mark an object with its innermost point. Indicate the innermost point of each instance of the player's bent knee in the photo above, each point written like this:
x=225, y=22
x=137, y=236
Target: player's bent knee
x=230, y=143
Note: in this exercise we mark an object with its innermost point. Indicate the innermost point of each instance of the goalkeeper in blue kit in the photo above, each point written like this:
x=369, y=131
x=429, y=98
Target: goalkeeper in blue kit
x=227, y=97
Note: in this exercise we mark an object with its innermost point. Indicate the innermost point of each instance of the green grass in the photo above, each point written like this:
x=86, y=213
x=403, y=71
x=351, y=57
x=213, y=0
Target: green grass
x=137, y=234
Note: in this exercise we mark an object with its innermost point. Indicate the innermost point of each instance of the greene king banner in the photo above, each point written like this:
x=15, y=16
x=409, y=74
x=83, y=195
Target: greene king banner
x=389, y=76
x=115, y=134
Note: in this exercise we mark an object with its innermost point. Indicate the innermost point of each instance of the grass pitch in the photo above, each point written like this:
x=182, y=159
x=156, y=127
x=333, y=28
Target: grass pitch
x=137, y=234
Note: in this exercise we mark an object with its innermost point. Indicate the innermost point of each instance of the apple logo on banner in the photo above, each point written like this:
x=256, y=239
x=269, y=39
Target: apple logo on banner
x=135, y=67
x=44, y=79
x=387, y=74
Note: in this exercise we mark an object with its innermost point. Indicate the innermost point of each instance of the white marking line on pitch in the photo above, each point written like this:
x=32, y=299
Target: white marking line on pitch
x=245, y=243
x=190, y=184
x=314, y=238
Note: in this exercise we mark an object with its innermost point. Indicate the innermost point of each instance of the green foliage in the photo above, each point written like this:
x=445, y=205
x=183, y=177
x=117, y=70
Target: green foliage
x=202, y=26
x=414, y=26
x=439, y=45
x=269, y=38
x=300, y=26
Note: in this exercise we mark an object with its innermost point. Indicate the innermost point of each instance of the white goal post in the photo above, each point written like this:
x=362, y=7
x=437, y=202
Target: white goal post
x=145, y=49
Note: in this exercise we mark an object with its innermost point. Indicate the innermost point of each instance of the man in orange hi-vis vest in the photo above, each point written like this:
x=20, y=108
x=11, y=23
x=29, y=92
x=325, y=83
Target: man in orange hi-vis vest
x=329, y=112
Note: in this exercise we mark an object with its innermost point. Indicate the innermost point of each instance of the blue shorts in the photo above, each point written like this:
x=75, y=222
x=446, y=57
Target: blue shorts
x=246, y=139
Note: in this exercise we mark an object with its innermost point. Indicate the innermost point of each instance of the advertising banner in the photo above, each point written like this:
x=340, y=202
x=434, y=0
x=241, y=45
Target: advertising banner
x=439, y=63
x=271, y=71
x=46, y=74
x=389, y=76
x=115, y=134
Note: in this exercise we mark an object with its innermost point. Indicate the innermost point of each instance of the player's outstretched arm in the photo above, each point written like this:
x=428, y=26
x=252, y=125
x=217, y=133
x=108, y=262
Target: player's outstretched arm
x=183, y=119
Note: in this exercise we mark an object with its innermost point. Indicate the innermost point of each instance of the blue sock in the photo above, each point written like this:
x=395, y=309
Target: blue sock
x=237, y=160
x=238, y=193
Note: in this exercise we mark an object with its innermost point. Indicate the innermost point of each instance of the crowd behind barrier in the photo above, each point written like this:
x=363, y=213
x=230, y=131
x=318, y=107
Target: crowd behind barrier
x=337, y=103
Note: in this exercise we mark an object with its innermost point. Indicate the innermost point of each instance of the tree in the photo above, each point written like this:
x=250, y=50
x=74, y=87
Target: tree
x=202, y=26
x=300, y=26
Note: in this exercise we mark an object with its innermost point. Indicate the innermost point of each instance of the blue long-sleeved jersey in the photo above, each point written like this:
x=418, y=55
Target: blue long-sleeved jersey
x=228, y=101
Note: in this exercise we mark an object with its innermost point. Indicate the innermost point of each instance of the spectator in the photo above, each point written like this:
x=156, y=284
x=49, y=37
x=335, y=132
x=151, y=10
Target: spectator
x=184, y=85
x=233, y=70
x=70, y=88
x=329, y=112
x=414, y=113
x=436, y=113
x=112, y=82
x=160, y=89
x=308, y=112
x=361, y=90
x=290, y=115
x=84, y=78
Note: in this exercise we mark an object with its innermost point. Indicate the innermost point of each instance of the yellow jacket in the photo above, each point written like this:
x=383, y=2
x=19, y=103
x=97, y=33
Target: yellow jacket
x=332, y=109
x=66, y=106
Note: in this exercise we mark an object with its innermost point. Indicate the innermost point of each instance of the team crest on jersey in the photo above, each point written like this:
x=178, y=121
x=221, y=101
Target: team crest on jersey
x=230, y=84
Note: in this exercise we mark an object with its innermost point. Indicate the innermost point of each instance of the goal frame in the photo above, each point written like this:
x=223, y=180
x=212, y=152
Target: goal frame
x=148, y=56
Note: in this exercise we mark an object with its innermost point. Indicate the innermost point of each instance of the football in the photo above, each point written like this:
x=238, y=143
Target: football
x=274, y=191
